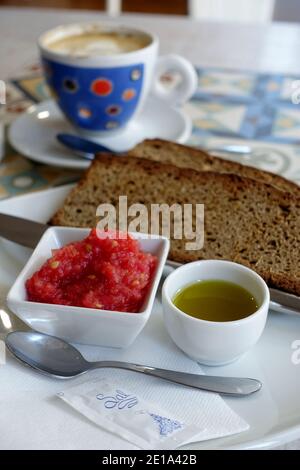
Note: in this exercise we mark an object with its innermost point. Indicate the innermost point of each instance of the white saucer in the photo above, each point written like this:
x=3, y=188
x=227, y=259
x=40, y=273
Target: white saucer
x=34, y=133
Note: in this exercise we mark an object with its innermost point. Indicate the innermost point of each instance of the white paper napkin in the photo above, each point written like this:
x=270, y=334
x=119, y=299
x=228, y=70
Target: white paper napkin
x=33, y=417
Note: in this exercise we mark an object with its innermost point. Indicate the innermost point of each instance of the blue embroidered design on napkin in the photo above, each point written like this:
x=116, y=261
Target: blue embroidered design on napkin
x=166, y=425
x=121, y=400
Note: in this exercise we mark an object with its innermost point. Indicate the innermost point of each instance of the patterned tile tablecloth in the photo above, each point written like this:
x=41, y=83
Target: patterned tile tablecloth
x=228, y=107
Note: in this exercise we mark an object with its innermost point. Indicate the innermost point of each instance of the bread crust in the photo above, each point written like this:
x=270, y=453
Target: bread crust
x=199, y=160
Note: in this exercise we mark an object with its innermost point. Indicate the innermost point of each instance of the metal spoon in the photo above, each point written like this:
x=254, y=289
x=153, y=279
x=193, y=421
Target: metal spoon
x=58, y=358
x=87, y=149
x=84, y=147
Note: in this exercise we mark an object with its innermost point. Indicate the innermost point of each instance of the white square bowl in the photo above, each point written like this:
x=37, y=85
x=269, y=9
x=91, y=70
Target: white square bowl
x=79, y=324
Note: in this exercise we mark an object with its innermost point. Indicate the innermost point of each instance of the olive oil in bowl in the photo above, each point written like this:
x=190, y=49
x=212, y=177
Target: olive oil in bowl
x=215, y=300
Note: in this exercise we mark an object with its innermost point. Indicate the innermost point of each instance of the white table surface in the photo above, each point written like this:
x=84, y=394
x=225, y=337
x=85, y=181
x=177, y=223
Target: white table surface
x=270, y=47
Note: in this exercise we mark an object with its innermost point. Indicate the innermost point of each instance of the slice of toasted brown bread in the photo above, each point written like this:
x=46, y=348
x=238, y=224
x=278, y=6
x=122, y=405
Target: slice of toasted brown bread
x=185, y=156
x=245, y=220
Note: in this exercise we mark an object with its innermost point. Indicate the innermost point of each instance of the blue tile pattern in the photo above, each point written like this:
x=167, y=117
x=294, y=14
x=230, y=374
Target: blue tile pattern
x=261, y=107
x=228, y=107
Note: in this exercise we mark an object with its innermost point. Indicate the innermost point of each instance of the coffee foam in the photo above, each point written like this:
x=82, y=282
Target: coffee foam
x=93, y=43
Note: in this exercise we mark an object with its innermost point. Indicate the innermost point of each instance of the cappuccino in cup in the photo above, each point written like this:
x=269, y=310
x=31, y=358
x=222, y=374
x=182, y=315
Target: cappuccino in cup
x=99, y=43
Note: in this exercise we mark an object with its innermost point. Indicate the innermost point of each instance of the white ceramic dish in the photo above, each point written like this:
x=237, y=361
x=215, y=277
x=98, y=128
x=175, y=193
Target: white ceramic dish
x=33, y=133
x=273, y=413
x=83, y=325
x=208, y=342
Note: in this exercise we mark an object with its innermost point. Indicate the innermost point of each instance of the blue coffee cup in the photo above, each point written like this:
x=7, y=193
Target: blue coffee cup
x=101, y=93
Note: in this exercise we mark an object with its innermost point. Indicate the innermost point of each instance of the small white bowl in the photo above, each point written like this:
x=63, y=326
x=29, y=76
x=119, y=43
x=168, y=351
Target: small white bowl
x=78, y=324
x=208, y=342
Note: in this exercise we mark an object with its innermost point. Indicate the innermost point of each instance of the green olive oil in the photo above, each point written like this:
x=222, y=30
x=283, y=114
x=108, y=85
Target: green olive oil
x=215, y=300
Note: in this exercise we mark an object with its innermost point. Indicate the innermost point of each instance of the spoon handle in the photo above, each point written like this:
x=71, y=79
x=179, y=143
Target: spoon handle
x=234, y=149
x=224, y=385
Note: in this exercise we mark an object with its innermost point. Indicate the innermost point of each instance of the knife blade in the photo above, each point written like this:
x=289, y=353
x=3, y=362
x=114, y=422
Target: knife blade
x=290, y=302
x=23, y=231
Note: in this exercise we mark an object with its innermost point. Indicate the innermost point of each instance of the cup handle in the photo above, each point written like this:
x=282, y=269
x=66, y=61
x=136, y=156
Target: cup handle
x=187, y=85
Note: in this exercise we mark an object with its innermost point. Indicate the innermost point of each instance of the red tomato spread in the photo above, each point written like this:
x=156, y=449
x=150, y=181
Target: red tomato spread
x=106, y=272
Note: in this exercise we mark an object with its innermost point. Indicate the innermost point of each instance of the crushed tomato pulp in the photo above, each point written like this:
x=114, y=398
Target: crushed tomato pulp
x=106, y=272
